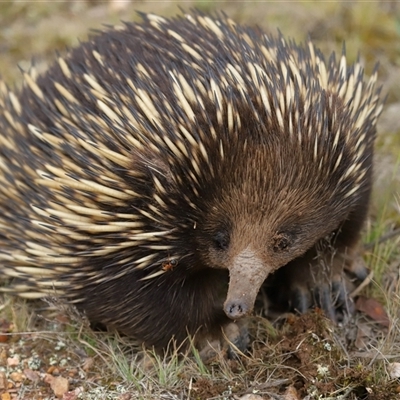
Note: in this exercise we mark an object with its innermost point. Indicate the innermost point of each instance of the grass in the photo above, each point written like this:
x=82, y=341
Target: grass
x=304, y=356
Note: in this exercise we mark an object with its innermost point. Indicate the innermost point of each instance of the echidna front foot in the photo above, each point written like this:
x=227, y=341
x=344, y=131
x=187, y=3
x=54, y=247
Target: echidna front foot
x=234, y=340
x=318, y=280
x=356, y=268
x=237, y=337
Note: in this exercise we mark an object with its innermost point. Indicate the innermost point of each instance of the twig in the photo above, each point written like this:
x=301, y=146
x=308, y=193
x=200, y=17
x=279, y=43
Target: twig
x=382, y=239
x=362, y=285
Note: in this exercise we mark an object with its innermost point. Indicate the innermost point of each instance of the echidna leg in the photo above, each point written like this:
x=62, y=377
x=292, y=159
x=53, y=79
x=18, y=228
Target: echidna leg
x=324, y=276
x=322, y=279
x=234, y=339
x=341, y=268
x=237, y=336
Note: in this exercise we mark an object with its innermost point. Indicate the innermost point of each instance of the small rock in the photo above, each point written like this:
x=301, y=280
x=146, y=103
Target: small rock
x=12, y=361
x=291, y=394
x=51, y=369
x=73, y=395
x=3, y=381
x=73, y=372
x=17, y=376
x=125, y=396
x=3, y=357
x=394, y=370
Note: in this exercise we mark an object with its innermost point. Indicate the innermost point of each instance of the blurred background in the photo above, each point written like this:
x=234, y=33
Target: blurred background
x=34, y=31
x=34, y=28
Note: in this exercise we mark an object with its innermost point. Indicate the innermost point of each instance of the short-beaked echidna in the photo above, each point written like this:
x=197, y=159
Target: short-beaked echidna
x=158, y=174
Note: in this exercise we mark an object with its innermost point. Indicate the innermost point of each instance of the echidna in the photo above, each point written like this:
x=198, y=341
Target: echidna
x=161, y=171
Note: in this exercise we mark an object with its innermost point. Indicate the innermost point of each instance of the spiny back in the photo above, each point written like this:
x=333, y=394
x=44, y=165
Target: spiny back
x=112, y=158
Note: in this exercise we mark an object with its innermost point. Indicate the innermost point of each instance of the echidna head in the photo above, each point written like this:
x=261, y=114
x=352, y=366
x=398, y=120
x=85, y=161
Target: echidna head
x=251, y=197
x=270, y=202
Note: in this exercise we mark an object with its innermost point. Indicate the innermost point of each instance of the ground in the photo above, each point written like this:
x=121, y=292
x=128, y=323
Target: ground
x=47, y=353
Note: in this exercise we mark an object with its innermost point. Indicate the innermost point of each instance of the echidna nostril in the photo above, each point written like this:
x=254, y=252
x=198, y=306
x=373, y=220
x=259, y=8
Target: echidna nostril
x=235, y=309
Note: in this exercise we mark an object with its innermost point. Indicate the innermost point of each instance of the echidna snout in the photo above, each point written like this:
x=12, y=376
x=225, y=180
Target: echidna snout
x=246, y=275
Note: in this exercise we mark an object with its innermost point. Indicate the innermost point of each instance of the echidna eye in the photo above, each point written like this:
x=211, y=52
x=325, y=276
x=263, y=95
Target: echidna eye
x=280, y=242
x=221, y=240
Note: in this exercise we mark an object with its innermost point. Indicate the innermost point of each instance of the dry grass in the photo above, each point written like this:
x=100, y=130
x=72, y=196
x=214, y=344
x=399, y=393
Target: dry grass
x=305, y=353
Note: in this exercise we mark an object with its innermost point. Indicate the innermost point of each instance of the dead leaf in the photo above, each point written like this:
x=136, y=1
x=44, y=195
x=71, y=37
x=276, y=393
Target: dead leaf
x=373, y=309
x=59, y=385
x=364, y=333
x=87, y=364
x=291, y=394
x=4, y=329
x=31, y=375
